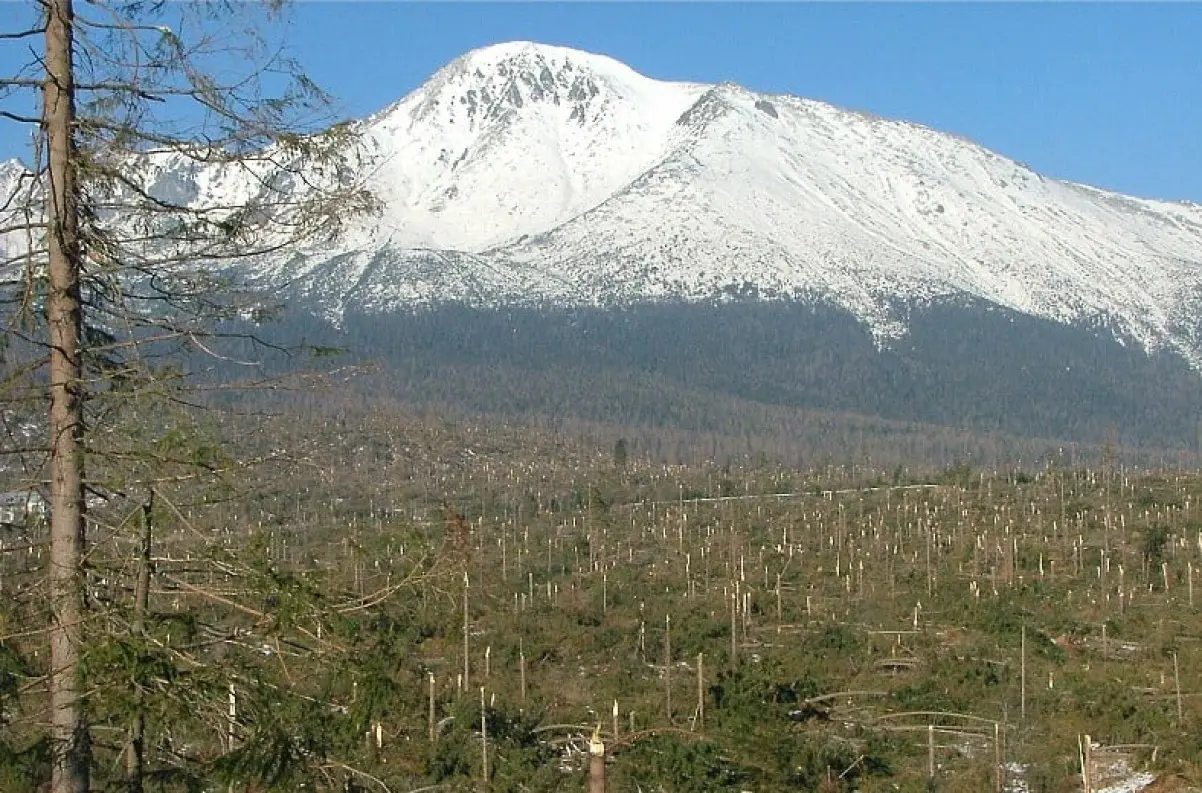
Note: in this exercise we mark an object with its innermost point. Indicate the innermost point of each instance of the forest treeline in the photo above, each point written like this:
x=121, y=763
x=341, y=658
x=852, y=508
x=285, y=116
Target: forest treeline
x=796, y=382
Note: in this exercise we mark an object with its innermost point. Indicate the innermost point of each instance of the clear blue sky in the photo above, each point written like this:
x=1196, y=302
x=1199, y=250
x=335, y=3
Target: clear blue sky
x=1104, y=93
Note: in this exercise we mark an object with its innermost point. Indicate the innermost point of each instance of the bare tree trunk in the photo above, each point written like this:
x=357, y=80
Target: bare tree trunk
x=466, y=636
x=135, y=757
x=69, y=734
x=596, y=763
x=430, y=717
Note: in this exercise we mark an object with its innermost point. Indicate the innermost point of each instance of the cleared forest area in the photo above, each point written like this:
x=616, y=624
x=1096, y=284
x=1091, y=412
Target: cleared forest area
x=395, y=602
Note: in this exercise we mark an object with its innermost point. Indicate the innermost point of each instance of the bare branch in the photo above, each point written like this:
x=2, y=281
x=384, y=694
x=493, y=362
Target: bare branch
x=23, y=34
x=19, y=118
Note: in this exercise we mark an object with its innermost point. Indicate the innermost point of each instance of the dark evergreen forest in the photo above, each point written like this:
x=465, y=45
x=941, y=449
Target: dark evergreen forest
x=785, y=379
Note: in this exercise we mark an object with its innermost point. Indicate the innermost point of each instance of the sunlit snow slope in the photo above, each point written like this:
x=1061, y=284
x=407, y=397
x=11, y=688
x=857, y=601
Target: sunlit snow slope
x=535, y=174
x=515, y=139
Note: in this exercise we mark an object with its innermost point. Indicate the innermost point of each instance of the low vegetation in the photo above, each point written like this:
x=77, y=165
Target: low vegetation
x=391, y=602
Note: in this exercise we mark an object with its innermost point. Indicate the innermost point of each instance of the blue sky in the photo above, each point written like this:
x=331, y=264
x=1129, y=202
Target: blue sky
x=1104, y=93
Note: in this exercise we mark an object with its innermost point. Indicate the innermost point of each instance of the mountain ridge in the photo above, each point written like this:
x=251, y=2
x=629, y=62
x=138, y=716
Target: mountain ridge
x=870, y=242
x=523, y=173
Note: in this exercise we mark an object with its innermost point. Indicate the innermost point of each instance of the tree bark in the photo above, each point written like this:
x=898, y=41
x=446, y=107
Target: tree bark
x=596, y=763
x=135, y=757
x=71, y=766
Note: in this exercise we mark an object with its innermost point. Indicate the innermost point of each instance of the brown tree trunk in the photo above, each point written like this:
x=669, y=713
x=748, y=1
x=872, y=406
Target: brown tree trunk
x=596, y=763
x=70, y=773
x=135, y=753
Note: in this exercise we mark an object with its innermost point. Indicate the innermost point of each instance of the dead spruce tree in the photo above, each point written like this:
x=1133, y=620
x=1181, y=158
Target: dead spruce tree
x=167, y=147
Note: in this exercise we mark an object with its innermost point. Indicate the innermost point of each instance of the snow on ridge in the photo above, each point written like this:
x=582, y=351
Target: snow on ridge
x=636, y=189
x=531, y=173
x=514, y=140
x=796, y=196
x=11, y=169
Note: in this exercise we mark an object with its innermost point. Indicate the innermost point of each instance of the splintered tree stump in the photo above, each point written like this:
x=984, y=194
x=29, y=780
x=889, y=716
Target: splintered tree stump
x=596, y=763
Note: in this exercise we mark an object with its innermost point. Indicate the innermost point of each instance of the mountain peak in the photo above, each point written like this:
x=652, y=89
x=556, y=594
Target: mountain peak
x=519, y=58
x=526, y=51
x=535, y=172
x=516, y=138
x=493, y=83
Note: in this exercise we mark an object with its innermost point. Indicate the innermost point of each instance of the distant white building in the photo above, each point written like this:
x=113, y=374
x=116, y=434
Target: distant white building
x=17, y=506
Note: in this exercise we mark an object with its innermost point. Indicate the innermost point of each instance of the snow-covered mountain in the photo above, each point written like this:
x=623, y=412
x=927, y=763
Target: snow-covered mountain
x=532, y=174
